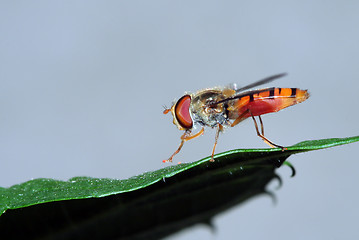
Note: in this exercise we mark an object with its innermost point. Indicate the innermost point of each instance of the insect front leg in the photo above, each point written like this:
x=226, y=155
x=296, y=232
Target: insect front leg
x=261, y=135
x=219, y=129
x=185, y=137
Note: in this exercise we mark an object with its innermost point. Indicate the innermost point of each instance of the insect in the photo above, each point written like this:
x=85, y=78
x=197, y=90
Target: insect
x=226, y=107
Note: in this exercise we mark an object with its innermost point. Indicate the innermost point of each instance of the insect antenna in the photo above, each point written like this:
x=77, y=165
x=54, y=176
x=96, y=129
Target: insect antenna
x=166, y=109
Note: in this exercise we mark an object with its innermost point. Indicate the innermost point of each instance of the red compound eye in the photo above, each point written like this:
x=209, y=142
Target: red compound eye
x=182, y=112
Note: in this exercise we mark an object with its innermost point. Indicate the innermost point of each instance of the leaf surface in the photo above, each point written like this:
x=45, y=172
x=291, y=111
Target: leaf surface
x=151, y=205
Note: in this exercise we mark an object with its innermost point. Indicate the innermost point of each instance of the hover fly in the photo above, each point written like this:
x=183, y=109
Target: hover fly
x=226, y=107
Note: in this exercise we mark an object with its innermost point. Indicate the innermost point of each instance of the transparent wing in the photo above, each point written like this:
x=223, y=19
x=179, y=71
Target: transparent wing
x=261, y=82
x=255, y=84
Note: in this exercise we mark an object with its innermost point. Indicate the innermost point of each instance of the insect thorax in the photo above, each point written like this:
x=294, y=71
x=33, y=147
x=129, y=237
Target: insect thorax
x=205, y=114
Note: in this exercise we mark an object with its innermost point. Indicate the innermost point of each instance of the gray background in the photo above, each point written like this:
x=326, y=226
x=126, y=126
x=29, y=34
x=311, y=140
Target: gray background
x=83, y=84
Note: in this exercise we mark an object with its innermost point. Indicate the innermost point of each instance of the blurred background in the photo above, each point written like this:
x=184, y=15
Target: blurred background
x=82, y=85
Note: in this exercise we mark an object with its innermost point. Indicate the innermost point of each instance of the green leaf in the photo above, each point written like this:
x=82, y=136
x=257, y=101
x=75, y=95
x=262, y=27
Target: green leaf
x=151, y=205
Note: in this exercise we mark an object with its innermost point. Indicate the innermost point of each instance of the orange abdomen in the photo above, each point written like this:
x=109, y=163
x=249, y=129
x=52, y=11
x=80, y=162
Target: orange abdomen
x=267, y=100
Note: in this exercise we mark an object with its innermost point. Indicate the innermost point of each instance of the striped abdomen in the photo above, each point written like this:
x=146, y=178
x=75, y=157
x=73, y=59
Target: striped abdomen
x=264, y=101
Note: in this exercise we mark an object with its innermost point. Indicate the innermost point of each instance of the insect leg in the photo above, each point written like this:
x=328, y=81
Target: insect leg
x=219, y=129
x=262, y=127
x=261, y=135
x=189, y=137
x=185, y=137
x=177, y=151
x=240, y=118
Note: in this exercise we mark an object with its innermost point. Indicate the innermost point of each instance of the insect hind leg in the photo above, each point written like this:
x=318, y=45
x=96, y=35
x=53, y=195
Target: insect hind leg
x=262, y=126
x=261, y=134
